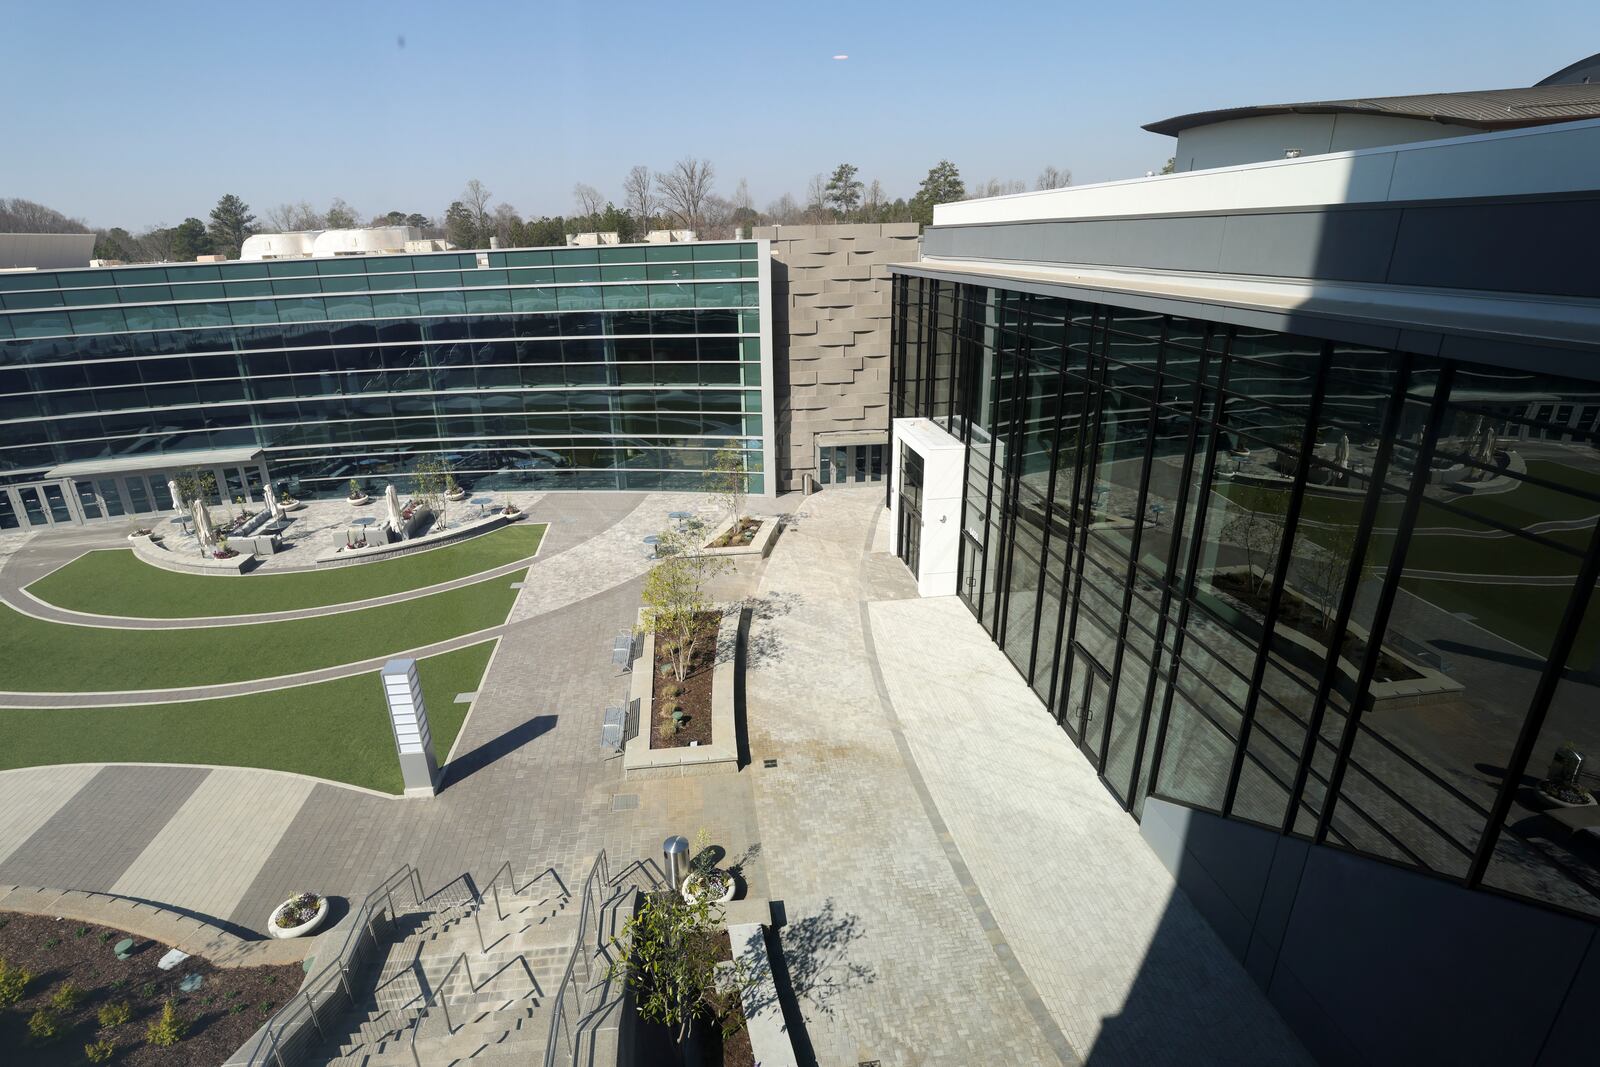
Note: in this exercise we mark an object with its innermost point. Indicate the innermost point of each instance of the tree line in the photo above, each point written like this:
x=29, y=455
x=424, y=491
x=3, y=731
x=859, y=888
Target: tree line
x=684, y=196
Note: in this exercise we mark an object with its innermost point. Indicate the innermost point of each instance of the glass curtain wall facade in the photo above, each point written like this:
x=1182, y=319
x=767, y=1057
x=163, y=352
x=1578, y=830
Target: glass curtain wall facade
x=1340, y=592
x=621, y=367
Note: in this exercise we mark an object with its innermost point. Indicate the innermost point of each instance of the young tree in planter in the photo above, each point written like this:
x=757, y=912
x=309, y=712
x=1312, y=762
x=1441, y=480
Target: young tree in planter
x=1257, y=527
x=675, y=593
x=435, y=479
x=728, y=480
x=195, y=484
x=667, y=956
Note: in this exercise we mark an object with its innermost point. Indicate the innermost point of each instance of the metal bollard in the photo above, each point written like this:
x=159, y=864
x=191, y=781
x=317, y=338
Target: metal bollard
x=675, y=860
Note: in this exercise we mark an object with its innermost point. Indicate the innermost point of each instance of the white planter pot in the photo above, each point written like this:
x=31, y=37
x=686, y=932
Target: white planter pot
x=358, y=501
x=692, y=883
x=309, y=926
x=298, y=505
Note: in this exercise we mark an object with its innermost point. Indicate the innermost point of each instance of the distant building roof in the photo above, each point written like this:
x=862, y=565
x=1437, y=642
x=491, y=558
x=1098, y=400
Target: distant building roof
x=1491, y=109
x=45, y=251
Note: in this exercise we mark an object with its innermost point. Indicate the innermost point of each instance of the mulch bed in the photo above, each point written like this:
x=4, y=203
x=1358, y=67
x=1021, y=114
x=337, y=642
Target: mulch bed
x=733, y=1050
x=229, y=1006
x=1305, y=618
x=695, y=699
x=739, y=534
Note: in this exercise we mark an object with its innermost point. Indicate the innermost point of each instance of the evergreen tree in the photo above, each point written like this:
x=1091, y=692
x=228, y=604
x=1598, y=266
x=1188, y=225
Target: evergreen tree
x=230, y=225
x=843, y=190
x=189, y=239
x=942, y=186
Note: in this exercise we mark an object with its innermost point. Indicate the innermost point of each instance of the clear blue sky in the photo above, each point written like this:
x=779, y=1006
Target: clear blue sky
x=133, y=114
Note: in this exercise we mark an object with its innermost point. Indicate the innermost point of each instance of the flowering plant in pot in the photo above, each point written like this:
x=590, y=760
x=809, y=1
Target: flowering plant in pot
x=510, y=510
x=705, y=879
x=298, y=916
x=357, y=496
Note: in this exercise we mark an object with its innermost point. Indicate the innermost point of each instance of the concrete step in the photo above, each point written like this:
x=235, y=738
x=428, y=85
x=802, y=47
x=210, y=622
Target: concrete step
x=520, y=1030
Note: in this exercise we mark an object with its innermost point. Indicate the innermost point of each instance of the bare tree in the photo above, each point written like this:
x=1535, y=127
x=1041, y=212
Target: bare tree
x=817, y=199
x=684, y=190
x=286, y=218
x=25, y=216
x=638, y=197
x=874, y=198
x=996, y=187
x=1053, y=178
x=506, y=223
x=475, y=198
x=588, y=199
x=784, y=211
x=741, y=197
x=159, y=243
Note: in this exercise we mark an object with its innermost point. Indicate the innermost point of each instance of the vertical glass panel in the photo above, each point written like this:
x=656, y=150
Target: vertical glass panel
x=56, y=500
x=1023, y=575
x=9, y=520
x=88, y=503
x=138, y=495
x=112, y=497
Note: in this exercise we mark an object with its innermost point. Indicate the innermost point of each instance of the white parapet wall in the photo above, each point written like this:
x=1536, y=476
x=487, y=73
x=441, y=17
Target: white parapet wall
x=940, y=529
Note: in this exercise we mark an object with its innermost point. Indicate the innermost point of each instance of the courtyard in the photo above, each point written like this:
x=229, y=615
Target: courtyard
x=951, y=883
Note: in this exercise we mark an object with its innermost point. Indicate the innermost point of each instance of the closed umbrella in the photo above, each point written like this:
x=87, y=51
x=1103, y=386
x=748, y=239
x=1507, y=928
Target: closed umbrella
x=272, y=503
x=396, y=522
x=203, y=530
x=1341, y=456
x=177, y=497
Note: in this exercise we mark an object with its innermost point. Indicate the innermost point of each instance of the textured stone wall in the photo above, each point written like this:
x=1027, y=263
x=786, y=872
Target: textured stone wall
x=831, y=312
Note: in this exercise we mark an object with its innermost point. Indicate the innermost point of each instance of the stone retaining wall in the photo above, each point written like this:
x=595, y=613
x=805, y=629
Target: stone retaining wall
x=157, y=554
x=640, y=759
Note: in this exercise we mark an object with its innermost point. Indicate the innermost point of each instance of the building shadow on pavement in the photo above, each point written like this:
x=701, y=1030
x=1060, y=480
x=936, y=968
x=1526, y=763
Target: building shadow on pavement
x=464, y=766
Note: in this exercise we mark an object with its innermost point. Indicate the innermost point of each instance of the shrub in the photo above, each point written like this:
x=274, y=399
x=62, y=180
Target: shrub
x=167, y=1030
x=66, y=998
x=13, y=982
x=52, y=943
x=667, y=730
x=114, y=1014
x=101, y=1051
x=148, y=989
x=83, y=931
x=42, y=1025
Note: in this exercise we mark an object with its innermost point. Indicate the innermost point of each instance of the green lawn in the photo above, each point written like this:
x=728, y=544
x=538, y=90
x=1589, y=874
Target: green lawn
x=116, y=582
x=336, y=730
x=55, y=657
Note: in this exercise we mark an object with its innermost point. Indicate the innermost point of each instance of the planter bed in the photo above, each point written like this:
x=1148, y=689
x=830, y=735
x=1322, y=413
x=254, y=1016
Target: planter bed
x=230, y=1005
x=695, y=698
x=645, y=755
x=170, y=557
x=766, y=531
x=456, y=532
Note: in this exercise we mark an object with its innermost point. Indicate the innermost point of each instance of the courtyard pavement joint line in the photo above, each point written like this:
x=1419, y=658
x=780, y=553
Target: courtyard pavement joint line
x=1026, y=991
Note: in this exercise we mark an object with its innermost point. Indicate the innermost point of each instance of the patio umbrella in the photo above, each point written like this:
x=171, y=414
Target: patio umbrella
x=177, y=497
x=396, y=522
x=1341, y=457
x=203, y=530
x=272, y=502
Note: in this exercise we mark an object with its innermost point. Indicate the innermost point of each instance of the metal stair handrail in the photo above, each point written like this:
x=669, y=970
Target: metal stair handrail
x=438, y=996
x=276, y=1033
x=594, y=884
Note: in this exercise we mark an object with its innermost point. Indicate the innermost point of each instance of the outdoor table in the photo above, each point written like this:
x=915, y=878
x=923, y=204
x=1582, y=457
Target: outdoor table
x=483, y=502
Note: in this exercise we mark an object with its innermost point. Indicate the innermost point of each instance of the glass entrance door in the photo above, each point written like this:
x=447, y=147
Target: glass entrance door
x=908, y=538
x=1083, y=711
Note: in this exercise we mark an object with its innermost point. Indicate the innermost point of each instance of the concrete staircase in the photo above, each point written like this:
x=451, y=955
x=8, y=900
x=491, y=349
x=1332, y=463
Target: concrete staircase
x=466, y=1001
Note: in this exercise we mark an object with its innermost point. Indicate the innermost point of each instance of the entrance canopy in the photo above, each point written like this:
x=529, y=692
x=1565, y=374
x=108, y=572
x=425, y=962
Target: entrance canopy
x=155, y=461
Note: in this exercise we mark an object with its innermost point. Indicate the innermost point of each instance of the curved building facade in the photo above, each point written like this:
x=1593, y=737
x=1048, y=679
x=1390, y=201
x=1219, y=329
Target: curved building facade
x=622, y=367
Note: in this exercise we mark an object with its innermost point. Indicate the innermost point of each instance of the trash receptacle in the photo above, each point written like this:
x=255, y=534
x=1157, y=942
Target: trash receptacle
x=675, y=860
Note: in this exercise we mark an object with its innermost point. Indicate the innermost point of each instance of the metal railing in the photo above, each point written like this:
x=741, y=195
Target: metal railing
x=439, y=997
x=286, y=1038
x=567, y=1015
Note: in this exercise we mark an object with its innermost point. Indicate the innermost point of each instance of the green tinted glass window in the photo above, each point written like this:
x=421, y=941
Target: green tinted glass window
x=585, y=273
x=204, y=315
x=537, y=258
x=750, y=295
x=448, y=303
x=352, y=265
x=144, y=294
x=295, y=286
x=42, y=298
x=533, y=299
x=493, y=301
x=86, y=279
x=631, y=272
x=669, y=271
x=715, y=251
x=717, y=295
x=531, y=276
x=395, y=305
x=349, y=306
x=249, y=312
x=750, y=348
x=579, y=298
x=626, y=296
x=566, y=257
x=671, y=296
x=249, y=288
x=242, y=271
x=716, y=270
x=291, y=268
x=11, y=283
x=388, y=264
x=752, y=373
x=668, y=253
x=201, y=291
x=488, y=277
x=202, y=273
x=348, y=283
x=41, y=324
x=621, y=254
x=302, y=310
x=5, y=327
x=103, y=320
x=153, y=317
x=442, y=279
x=749, y=268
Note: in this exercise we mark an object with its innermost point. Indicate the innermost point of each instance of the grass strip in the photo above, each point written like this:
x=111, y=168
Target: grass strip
x=337, y=730
x=41, y=656
x=116, y=582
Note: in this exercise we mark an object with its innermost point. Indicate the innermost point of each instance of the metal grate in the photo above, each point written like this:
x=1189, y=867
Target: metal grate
x=769, y=763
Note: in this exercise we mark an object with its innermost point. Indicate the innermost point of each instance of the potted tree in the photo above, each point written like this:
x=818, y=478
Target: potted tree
x=668, y=957
x=357, y=496
x=1560, y=785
